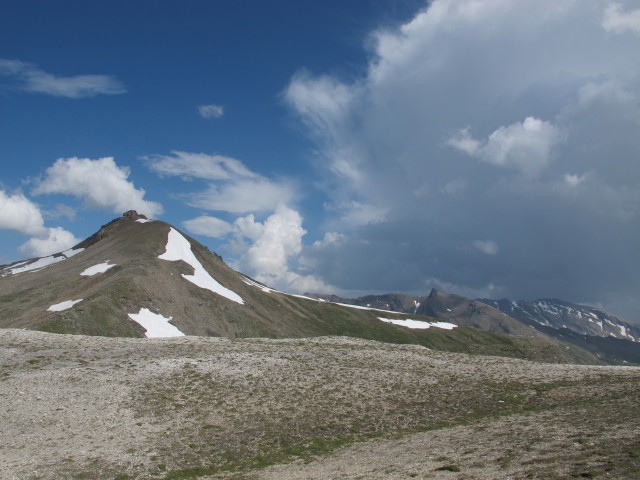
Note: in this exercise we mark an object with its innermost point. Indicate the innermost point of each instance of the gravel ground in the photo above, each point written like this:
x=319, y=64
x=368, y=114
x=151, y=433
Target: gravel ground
x=192, y=407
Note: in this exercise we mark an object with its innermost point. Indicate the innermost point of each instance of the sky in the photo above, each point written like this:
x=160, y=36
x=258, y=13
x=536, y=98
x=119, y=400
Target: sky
x=488, y=148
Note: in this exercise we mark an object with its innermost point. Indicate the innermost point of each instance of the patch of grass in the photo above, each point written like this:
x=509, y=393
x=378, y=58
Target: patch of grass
x=448, y=468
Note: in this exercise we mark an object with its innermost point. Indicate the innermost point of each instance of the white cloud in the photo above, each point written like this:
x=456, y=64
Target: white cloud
x=31, y=79
x=277, y=244
x=20, y=214
x=573, y=180
x=198, y=165
x=56, y=240
x=615, y=20
x=211, y=111
x=330, y=238
x=462, y=140
x=99, y=183
x=244, y=195
x=208, y=226
x=610, y=92
x=525, y=145
x=323, y=102
x=488, y=247
x=232, y=188
x=455, y=187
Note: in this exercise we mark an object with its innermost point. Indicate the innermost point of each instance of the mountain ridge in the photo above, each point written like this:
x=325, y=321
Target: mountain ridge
x=129, y=275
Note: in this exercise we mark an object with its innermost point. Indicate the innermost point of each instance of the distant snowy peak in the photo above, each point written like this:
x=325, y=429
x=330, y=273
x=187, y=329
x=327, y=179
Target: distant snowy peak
x=559, y=314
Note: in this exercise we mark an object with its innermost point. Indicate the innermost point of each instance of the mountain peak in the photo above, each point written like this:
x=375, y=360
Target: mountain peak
x=133, y=215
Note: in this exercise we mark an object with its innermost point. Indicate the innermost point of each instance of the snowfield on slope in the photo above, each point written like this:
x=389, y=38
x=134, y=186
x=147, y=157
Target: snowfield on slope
x=179, y=248
x=99, y=268
x=418, y=324
x=156, y=325
x=66, y=305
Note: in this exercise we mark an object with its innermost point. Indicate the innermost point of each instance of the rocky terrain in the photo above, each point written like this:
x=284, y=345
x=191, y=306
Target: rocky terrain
x=83, y=407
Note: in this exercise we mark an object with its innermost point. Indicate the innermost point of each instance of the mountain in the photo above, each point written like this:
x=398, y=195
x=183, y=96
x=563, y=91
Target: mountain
x=137, y=277
x=608, y=336
x=559, y=314
x=444, y=306
x=604, y=335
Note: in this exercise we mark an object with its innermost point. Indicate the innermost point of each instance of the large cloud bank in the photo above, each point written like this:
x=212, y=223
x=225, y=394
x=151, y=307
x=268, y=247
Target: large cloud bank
x=491, y=147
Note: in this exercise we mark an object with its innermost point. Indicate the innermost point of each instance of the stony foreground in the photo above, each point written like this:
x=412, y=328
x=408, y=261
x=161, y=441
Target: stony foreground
x=91, y=408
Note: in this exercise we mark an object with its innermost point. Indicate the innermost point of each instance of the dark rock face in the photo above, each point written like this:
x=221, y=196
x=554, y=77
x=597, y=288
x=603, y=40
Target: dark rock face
x=133, y=215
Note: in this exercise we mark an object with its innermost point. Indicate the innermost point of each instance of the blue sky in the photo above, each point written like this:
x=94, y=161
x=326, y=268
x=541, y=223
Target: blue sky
x=486, y=147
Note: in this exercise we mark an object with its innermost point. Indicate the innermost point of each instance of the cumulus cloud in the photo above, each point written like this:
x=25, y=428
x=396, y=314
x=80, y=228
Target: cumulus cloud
x=99, y=183
x=484, y=119
x=210, y=111
x=30, y=78
x=19, y=213
x=56, y=240
x=524, y=145
x=276, y=246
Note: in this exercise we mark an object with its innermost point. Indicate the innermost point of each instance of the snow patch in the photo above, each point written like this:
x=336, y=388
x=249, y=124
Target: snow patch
x=348, y=305
x=143, y=220
x=623, y=331
x=156, y=325
x=264, y=288
x=42, y=262
x=71, y=252
x=179, y=248
x=100, y=268
x=418, y=324
x=59, y=307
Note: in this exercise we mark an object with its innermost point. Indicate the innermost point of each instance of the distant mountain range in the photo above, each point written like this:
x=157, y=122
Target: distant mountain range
x=137, y=277
x=565, y=315
x=604, y=334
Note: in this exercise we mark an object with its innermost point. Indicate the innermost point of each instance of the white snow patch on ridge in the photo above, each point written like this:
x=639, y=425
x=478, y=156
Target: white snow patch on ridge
x=359, y=307
x=409, y=323
x=43, y=262
x=156, y=325
x=264, y=288
x=100, y=268
x=179, y=248
x=59, y=307
x=143, y=220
